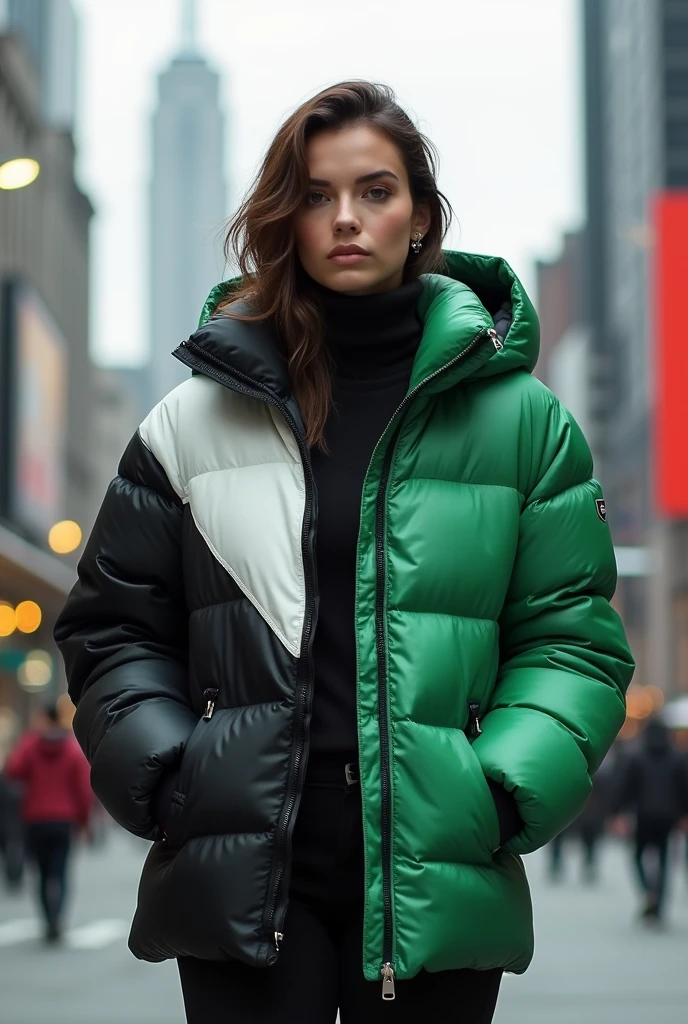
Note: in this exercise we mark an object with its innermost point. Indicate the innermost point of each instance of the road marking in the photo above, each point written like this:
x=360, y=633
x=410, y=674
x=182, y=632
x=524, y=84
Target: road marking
x=21, y=930
x=97, y=934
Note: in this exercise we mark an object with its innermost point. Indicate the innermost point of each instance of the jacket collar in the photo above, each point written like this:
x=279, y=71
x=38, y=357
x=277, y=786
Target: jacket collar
x=454, y=308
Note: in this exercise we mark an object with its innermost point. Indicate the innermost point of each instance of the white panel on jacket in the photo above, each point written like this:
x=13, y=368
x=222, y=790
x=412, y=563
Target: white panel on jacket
x=243, y=480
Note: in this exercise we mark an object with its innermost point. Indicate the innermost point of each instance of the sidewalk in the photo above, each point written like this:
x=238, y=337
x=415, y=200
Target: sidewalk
x=92, y=978
x=593, y=963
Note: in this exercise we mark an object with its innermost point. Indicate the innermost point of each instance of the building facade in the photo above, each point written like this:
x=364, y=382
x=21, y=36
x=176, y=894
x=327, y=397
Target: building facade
x=119, y=405
x=45, y=371
x=188, y=204
x=566, y=362
x=49, y=32
x=636, y=115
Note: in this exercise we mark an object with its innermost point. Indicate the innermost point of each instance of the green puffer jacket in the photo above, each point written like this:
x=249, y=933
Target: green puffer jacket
x=485, y=569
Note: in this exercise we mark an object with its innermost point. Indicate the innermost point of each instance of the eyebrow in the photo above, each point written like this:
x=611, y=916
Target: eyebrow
x=373, y=176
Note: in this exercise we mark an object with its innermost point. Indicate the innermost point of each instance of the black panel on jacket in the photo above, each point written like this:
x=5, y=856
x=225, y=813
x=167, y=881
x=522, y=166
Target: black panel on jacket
x=152, y=625
x=254, y=349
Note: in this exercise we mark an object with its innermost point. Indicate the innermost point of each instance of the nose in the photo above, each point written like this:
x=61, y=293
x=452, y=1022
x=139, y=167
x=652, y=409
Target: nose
x=346, y=221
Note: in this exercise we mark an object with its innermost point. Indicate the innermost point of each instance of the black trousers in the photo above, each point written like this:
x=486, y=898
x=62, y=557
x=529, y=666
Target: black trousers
x=319, y=970
x=653, y=838
x=48, y=844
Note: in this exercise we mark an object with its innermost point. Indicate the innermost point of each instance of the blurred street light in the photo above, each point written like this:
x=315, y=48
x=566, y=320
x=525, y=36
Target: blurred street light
x=8, y=619
x=65, y=537
x=643, y=701
x=18, y=172
x=29, y=616
x=36, y=671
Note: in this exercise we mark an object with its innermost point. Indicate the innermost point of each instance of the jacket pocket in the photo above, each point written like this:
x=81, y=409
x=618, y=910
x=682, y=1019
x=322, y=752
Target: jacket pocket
x=174, y=824
x=165, y=795
x=197, y=739
x=491, y=820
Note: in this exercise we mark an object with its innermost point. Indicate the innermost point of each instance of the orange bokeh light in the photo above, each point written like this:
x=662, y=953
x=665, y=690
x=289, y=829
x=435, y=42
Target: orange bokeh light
x=29, y=616
x=8, y=619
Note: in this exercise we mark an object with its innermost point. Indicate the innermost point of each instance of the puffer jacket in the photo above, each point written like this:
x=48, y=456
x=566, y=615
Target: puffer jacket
x=487, y=647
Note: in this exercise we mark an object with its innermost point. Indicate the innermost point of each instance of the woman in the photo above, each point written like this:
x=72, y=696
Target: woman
x=340, y=752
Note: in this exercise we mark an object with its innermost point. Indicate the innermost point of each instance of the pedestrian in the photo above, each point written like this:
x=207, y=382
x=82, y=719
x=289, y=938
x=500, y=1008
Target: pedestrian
x=341, y=643
x=11, y=835
x=589, y=826
x=56, y=799
x=653, y=789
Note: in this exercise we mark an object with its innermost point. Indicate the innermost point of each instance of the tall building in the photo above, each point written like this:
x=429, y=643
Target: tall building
x=188, y=203
x=636, y=112
x=48, y=30
x=119, y=406
x=566, y=361
x=45, y=374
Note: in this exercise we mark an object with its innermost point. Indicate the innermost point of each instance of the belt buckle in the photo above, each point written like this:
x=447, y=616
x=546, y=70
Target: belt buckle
x=350, y=773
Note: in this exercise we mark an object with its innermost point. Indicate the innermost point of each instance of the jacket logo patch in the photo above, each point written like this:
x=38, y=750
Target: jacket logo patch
x=601, y=506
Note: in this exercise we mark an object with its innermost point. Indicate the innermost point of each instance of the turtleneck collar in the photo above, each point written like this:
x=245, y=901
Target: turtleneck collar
x=372, y=337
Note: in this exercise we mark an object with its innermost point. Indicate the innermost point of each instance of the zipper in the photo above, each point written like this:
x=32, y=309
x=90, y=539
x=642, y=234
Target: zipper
x=474, y=719
x=210, y=696
x=387, y=973
x=196, y=358
x=387, y=969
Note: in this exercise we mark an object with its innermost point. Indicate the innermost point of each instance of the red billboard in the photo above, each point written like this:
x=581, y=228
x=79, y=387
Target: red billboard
x=671, y=355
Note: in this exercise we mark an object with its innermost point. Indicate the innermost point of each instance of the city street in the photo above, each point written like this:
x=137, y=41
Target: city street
x=593, y=963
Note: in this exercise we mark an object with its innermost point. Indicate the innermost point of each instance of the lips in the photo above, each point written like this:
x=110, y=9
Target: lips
x=347, y=250
x=344, y=259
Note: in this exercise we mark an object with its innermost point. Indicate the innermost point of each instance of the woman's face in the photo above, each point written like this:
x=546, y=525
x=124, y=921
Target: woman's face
x=358, y=198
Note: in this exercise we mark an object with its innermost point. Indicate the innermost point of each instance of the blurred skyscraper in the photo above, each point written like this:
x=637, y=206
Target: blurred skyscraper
x=188, y=203
x=614, y=332
x=49, y=31
x=636, y=114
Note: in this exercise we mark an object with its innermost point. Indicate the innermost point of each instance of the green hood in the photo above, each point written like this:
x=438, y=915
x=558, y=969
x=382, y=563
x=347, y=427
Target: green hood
x=454, y=308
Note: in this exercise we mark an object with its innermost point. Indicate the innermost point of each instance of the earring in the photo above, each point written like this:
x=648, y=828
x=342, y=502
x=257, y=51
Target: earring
x=416, y=244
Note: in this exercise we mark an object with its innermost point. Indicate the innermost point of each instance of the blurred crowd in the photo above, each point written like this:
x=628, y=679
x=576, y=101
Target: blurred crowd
x=639, y=796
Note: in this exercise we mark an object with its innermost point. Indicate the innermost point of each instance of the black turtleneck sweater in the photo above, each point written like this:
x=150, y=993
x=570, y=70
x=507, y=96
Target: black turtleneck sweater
x=372, y=340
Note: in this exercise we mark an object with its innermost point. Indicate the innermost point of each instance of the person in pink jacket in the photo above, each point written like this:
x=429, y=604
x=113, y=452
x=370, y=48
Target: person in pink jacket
x=56, y=802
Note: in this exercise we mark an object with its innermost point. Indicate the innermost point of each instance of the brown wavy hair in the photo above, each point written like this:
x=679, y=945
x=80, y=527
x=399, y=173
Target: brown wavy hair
x=260, y=237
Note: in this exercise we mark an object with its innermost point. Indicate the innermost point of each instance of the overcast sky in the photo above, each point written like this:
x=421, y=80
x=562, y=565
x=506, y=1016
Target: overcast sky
x=495, y=83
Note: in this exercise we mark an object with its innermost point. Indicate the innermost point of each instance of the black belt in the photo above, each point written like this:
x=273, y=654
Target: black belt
x=333, y=770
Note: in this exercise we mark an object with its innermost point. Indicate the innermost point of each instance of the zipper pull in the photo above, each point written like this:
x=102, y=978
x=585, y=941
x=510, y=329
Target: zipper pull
x=474, y=718
x=279, y=937
x=387, y=972
x=211, y=697
x=496, y=340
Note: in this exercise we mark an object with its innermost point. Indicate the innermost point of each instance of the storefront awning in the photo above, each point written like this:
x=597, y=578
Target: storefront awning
x=23, y=564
